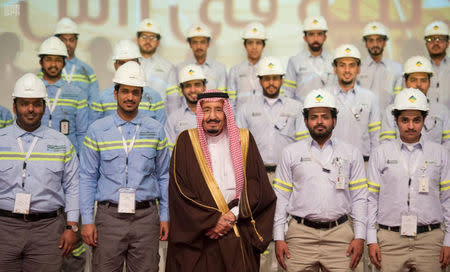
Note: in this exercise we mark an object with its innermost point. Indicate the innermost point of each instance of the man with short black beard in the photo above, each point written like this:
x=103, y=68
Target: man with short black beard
x=436, y=42
x=309, y=69
x=192, y=83
x=378, y=73
x=321, y=183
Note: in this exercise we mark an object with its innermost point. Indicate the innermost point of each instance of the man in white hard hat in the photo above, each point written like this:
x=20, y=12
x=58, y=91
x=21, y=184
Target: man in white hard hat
x=6, y=118
x=156, y=68
x=192, y=83
x=359, y=119
x=321, y=183
x=198, y=37
x=436, y=42
x=271, y=118
x=310, y=69
x=151, y=103
x=76, y=72
x=243, y=83
x=124, y=167
x=436, y=128
x=409, y=196
x=39, y=183
x=67, y=107
x=378, y=73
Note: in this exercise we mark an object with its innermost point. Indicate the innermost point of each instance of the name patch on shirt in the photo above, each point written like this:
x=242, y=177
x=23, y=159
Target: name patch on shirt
x=305, y=159
x=147, y=134
x=285, y=114
x=392, y=161
x=255, y=114
x=56, y=148
x=159, y=70
x=242, y=75
x=69, y=96
x=434, y=163
x=5, y=148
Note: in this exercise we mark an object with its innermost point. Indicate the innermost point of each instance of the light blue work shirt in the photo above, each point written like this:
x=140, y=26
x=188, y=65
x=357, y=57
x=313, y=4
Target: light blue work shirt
x=71, y=106
x=51, y=171
x=103, y=161
x=243, y=84
x=156, y=70
x=180, y=120
x=6, y=118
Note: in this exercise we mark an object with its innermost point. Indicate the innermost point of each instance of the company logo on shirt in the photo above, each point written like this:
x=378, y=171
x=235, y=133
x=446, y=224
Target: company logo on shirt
x=315, y=22
x=418, y=64
x=191, y=72
x=412, y=99
x=319, y=98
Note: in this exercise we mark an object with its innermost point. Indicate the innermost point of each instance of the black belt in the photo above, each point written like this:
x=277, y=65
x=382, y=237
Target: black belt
x=321, y=225
x=31, y=216
x=420, y=229
x=271, y=168
x=139, y=205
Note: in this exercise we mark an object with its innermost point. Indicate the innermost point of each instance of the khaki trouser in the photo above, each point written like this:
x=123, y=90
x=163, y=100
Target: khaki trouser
x=126, y=237
x=313, y=249
x=401, y=253
x=31, y=246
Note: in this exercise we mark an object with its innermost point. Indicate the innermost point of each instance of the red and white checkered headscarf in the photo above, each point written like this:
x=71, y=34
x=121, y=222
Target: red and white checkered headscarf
x=233, y=136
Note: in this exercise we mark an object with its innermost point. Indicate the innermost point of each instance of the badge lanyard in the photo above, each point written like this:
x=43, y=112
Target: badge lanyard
x=69, y=78
x=27, y=156
x=344, y=103
x=52, y=108
x=127, y=149
x=410, y=170
x=326, y=170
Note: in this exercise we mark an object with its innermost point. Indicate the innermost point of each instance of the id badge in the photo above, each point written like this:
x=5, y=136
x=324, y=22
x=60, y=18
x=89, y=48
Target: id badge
x=424, y=184
x=409, y=225
x=127, y=203
x=340, y=182
x=22, y=203
x=64, y=127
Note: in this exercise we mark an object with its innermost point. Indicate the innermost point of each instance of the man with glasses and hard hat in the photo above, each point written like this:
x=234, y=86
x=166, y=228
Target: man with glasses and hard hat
x=310, y=69
x=409, y=194
x=378, y=73
x=243, y=83
x=192, y=83
x=76, y=72
x=321, y=183
x=436, y=42
x=156, y=68
x=436, y=128
x=67, y=107
x=124, y=167
x=151, y=103
x=39, y=183
x=198, y=37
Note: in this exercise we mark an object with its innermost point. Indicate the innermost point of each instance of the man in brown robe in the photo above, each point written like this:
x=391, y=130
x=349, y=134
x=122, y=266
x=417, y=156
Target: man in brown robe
x=208, y=231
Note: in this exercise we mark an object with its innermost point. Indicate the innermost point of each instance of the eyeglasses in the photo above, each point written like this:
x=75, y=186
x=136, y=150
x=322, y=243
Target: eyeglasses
x=436, y=39
x=148, y=37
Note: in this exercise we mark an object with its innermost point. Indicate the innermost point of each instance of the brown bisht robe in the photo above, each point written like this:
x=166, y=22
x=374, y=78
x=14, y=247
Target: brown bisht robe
x=193, y=211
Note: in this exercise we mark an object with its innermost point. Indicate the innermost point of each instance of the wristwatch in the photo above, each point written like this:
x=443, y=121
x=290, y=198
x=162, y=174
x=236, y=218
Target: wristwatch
x=74, y=228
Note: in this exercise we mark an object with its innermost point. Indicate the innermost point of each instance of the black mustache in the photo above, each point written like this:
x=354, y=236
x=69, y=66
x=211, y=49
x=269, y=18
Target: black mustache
x=212, y=121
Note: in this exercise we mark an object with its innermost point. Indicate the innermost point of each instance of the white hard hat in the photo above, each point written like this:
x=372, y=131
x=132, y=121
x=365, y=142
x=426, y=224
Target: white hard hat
x=417, y=64
x=410, y=99
x=66, y=26
x=198, y=30
x=130, y=73
x=29, y=86
x=126, y=49
x=269, y=66
x=254, y=31
x=191, y=72
x=148, y=25
x=375, y=28
x=53, y=46
x=436, y=28
x=347, y=51
x=319, y=98
x=315, y=23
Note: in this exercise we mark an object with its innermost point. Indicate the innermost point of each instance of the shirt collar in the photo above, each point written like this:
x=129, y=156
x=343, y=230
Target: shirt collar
x=330, y=142
x=418, y=145
x=309, y=55
x=370, y=61
x=207, y=61
x=72, y=61
x=58, y=83
x=19, y=132
x=120, y=122
x=279, y=98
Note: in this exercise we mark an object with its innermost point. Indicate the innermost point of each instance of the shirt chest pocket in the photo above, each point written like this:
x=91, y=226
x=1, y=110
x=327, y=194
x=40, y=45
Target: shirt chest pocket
x=285, y=124
x=6, y=174
x=146, y=161
x=111, y=164
x=55, y=175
